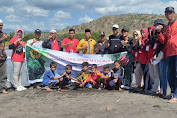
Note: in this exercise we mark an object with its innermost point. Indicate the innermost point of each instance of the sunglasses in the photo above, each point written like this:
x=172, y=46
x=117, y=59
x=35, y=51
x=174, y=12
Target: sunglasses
x=1, y=25
x=114, y=28
x=135, y=34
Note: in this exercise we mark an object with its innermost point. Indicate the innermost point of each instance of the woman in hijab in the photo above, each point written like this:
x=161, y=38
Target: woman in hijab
x=18, y=57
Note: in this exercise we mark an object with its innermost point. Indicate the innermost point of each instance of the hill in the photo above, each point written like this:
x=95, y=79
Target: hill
x=130, y=21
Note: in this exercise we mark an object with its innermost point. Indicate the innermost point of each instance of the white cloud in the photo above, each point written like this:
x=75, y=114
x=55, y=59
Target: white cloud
x=26, y=27
x=34, y=11
x=61, y=15
x=85, y=19
x=57, y=13
x=59, y=26
x=138, y=6
x=13, y=18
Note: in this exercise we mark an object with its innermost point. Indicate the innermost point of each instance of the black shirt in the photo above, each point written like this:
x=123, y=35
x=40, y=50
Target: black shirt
x=103, y=49
x=115, y=44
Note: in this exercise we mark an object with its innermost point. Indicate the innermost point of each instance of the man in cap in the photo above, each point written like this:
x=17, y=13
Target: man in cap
x=126, y=41
x=52, y=42
x=86, y=46
x=100, y=46
x=113, y=43
x=169, y=39
x=36, y=42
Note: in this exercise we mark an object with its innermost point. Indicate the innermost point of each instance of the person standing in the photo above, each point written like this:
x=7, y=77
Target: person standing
x=162, y=66
x=86, y=46
x=52, y=42
x=70, y=44
x=18, y=58
x=113, y=43
x=127, y=47
x=36, y=42
x=3, y=63
x=169, y=39
x=100, y=47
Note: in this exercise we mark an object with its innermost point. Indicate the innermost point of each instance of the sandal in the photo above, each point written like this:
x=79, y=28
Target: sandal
x=48, y=89
x=63, y=90
x=173, y=100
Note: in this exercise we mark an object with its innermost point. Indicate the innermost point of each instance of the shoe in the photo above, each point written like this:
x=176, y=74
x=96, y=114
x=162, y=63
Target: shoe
x=23, y=88
x=19, y=89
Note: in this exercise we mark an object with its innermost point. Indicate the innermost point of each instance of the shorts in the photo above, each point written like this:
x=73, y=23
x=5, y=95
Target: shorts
x=66, y=82
x=111, y=83
x=51, y=82
x=87, y=85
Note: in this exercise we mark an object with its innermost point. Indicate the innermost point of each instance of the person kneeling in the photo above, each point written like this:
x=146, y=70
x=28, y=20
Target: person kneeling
x=117, y=74
x=49, y=78
x=93, y=80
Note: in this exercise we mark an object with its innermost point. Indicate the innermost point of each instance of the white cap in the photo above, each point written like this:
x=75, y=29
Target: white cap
x=53, y=31
x=1, y=21
x=115, y=25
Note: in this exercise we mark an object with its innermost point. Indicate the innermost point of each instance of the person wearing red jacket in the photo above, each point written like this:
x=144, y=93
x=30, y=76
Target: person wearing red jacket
x=138, y=70
x=142, y=51
x=153, y=69
x=169, y=39
x=162, y=66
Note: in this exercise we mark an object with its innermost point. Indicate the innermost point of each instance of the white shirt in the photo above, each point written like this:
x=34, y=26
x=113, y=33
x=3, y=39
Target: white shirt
x=38, y=44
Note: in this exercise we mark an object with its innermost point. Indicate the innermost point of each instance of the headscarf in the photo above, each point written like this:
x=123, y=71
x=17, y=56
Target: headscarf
x=17, y=30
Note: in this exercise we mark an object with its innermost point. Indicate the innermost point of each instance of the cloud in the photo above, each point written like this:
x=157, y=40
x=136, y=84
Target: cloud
x=26, y=27
x=138, y=6
x=45, y=14
x=59, y=26
x=61, y=15
x=85, y=19
x=13, y=18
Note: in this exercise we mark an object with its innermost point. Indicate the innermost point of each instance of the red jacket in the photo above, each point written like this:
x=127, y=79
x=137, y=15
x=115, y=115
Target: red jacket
x=151, y=49
x=136, y=55
x=169, y=39
x=142, y=51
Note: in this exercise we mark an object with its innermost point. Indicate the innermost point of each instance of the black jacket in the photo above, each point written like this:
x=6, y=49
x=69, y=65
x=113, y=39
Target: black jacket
x=47, y=43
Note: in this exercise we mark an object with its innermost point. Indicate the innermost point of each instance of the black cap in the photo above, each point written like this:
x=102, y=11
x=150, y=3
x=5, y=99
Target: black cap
x=170, y=9
x=87, y=30
x=37, y=31
x=125, y=29
x=160, y=21
x=102, y=34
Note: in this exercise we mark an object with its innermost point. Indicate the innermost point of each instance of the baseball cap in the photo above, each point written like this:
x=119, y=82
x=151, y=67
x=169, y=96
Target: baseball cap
x=37, y=31
x=115, y=26
x=125, y=29
x=102, y=34
x=170, y=9
x=160, y=21
x=1, y=21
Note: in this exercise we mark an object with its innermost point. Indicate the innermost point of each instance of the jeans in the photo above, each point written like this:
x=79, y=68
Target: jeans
x=172, y=74
x=162, y=68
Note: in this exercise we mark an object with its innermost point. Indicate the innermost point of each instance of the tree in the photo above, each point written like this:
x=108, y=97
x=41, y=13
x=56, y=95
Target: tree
x=28, y=36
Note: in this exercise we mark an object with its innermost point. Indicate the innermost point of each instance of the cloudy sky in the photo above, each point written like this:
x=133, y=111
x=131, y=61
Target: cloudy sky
x=58, y=14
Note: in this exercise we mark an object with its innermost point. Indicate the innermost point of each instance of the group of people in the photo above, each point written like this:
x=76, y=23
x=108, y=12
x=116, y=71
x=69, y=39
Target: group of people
x=109, y=79
x=153, y=50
